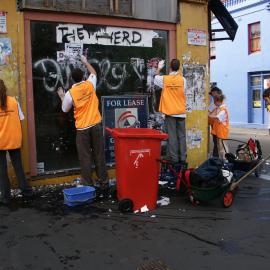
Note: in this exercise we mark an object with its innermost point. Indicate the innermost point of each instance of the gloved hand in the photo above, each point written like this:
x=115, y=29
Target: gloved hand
x=161, y=64
x=83, y=59
x=61, y=92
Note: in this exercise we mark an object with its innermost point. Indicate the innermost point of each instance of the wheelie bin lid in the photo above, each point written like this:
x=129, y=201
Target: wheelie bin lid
x=143, y=133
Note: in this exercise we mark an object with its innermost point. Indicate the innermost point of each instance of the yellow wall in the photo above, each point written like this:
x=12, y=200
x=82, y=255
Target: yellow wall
x=194, y=16
x=14, y=72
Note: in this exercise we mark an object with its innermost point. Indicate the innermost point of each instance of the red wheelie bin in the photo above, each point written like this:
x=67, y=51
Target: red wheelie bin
x=137, y=167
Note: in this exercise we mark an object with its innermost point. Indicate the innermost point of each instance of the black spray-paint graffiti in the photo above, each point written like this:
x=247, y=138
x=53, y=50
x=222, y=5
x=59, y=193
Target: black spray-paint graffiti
x=116, y=36
x=111, y=76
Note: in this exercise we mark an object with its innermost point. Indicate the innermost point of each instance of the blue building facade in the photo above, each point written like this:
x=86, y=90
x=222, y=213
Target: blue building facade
x=242, y=68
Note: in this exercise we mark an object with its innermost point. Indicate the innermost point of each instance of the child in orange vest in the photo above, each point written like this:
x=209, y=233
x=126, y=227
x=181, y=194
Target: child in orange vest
x=221, y=125
x=212, y=110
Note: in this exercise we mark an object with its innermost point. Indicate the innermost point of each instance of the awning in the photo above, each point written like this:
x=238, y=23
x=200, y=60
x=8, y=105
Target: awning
x=224, y=17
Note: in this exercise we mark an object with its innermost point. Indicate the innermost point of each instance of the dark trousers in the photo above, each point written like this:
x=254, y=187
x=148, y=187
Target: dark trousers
x=90, y=147
x=16, y=160
x=177, y=146
x=215, y=147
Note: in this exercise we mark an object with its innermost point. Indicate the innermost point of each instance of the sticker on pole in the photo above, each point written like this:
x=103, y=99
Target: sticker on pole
x=138, y=156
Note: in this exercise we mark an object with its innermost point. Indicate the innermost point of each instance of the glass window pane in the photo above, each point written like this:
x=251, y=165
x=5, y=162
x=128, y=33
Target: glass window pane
x=257, y=98
x=255, y=80
x=120, y=70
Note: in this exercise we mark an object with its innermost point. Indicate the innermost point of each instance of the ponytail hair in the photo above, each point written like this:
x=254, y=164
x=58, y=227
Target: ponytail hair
x=3, y=96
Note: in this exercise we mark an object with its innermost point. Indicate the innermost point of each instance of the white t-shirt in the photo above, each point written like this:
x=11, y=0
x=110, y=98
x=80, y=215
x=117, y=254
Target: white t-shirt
x=221, y=114
x=68, y=102
x=21, y=116
x=158, y=80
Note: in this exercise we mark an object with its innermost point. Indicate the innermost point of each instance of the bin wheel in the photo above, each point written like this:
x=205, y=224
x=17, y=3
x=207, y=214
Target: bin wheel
x=126, y=206
x=227, y=199
x=113, y=193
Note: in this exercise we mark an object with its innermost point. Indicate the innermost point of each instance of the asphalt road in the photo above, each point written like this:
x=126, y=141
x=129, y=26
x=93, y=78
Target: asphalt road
x=43, y=234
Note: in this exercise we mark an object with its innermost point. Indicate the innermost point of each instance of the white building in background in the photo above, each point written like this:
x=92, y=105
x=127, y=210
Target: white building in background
x=242, y=68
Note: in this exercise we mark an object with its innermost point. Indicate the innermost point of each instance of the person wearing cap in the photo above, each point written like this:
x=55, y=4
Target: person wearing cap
x=266, y=97
x=11, y=116
x=89, y=135
x=173, y=106
x=212, y=111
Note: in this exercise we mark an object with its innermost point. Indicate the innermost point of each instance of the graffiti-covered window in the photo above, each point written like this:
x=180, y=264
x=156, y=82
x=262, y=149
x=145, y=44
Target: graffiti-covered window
x=124, y=58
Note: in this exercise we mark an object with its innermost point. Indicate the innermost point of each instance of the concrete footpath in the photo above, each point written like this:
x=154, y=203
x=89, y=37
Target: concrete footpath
x=249, y=131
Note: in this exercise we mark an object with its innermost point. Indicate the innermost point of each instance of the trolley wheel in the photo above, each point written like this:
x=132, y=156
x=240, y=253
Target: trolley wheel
x=125, y=206
x=227, y=199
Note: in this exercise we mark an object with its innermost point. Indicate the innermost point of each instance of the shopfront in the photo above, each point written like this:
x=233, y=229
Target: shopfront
x=258, y=82
x=123, y=52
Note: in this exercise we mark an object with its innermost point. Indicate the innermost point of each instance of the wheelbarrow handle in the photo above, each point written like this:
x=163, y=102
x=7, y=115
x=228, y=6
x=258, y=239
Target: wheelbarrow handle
x=235, y=184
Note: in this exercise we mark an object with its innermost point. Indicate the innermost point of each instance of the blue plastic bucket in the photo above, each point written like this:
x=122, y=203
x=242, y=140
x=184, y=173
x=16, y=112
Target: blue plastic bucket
x=79, y=195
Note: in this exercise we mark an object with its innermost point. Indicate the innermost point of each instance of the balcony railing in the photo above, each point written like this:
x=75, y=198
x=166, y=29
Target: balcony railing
x=230, y=3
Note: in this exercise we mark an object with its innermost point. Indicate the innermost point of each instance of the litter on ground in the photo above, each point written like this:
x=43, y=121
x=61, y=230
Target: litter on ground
x=163, y=201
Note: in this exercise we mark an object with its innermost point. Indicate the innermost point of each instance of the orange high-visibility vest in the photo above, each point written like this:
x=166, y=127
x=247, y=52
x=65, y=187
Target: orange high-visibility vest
x=221, y=129
x=10, y=126
x=173, y=100
x=86, y=112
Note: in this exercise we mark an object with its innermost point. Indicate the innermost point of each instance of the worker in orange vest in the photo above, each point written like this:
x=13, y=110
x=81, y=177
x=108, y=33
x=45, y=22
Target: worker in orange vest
x=221, y=125
x=266, y=97
x=10, y=141
x=212, y=110
x=89, y=136
x=173, y=106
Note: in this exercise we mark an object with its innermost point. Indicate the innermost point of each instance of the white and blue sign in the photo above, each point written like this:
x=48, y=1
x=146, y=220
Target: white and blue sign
x=123, y=112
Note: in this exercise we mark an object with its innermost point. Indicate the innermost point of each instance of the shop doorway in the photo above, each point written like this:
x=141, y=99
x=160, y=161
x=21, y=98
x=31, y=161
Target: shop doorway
x=120, y=69
x=258, y=82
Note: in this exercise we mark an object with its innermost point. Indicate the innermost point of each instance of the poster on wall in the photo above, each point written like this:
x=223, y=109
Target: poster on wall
x=3, y=22
x=195, y=88
x=122, y=112
x=196, y=37
x=5, y=50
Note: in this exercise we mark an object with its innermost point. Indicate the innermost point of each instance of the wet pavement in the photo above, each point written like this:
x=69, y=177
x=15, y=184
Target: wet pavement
x=43, y=234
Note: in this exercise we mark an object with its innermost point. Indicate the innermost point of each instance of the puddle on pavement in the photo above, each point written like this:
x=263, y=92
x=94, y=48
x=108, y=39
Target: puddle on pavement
x=230, y=247
x=50, y=199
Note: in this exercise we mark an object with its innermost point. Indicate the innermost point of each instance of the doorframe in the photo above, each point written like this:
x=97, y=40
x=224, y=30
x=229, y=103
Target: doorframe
x=76, y=19
x=250, y=97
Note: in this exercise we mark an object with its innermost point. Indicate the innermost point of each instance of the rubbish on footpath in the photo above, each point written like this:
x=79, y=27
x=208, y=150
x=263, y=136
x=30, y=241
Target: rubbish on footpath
x=112, y=182
x=137, y=211
x=163, y=201
x=153, y=216
x=144, y=209
x=162, y=183
x=227, y=174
